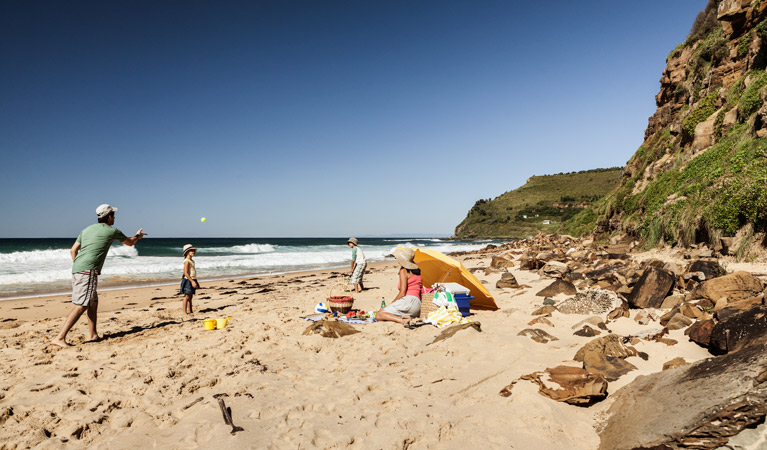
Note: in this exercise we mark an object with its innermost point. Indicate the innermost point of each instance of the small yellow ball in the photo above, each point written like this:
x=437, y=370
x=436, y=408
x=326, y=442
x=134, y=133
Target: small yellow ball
x=203, y=219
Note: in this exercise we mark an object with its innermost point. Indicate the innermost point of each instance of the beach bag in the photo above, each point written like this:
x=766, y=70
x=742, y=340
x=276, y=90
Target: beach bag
x=444, y=298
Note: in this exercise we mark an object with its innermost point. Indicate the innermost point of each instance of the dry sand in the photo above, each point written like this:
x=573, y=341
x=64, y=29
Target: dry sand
x=153, y=381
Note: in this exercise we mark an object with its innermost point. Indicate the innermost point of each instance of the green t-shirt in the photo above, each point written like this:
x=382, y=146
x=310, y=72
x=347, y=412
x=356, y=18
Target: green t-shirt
x=94, y=245
x=354, y=253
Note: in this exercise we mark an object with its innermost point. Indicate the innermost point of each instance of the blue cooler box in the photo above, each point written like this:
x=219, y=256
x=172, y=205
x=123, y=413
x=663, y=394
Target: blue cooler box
x=463, y=302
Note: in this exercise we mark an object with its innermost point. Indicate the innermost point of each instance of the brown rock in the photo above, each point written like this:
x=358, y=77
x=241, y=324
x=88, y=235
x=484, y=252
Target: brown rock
x=700, y=332
x=530, y=263
x=593, y=320
x=678, y=322
x=643, y=317
x=710, y=269
x=721, y=303
x=559, y=286
x=674, y=363
x=330, y=329
x=571, y=385
x=610, y=345
x=541, y=320
x=703, y=405
x=617, y=313
x=555, y=269
x=672, y=301
x=499, y=262
x=537, y=335
x=507, y=281
x=652, y=288
x=739, y=306
x=548, y=309
x=610, y=367
x=735, y=286
x=691, y=311
x=452, y=330
x=744, y=329
x=587, y=331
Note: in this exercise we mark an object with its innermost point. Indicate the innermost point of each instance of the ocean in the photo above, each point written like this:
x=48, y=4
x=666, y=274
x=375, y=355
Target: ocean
x=32, y=267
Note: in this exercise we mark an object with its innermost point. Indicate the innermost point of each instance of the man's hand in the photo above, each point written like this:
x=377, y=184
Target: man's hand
x=133, y=239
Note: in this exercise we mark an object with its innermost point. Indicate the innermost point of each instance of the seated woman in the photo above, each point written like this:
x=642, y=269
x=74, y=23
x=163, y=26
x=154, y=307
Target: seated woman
x=407, y=303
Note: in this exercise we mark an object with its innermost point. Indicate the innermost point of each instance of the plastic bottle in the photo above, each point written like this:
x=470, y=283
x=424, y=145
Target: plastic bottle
x=383, y=302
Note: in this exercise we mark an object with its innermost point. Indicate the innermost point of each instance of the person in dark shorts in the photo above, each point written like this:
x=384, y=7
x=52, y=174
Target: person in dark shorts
x=88, y=255
x=189, y=282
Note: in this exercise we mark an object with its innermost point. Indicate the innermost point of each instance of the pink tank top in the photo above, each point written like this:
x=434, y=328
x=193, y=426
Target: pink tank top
x=414, y=285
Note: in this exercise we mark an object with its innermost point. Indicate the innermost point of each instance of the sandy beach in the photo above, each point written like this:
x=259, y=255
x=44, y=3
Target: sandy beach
x=155, y=379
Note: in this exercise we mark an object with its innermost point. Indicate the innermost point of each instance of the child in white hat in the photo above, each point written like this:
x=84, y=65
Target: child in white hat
x=189, y=282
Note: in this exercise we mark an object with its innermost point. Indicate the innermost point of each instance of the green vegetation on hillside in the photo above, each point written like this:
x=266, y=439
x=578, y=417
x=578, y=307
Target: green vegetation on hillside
x=713, y=195
x=553, y=198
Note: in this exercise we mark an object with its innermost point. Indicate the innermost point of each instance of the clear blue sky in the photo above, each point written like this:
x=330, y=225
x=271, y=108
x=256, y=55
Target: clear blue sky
x=313, y=118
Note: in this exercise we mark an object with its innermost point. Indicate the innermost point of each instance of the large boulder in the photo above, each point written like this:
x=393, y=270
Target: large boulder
x=735, y=286
x=507, y=281
x=606, y=356
x=700, y=332
x=569, y=384
x=499, y=262
x=739, y=331
x=710, y=269
x=699, y=406
x=651, y=288
x=559, y=286
x=555, y=269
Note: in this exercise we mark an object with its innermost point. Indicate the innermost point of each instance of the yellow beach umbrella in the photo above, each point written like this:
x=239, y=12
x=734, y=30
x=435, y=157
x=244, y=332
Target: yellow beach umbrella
x=436, y=267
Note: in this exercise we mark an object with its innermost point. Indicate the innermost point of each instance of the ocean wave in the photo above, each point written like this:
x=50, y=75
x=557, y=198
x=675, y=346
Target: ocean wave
x=29, y=268
x=245, y=249
x=123, y=251
x=56, y=255
x=35, y=256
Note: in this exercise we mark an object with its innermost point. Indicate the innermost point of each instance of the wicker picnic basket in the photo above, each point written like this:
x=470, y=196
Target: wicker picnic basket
x=427, y=305
x=340, y=304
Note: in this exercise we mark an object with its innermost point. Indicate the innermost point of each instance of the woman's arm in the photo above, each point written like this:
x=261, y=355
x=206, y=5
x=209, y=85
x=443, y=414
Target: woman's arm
x=402, y=284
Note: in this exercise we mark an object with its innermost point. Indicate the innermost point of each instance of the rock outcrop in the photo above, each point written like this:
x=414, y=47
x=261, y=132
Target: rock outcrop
x=703, y=404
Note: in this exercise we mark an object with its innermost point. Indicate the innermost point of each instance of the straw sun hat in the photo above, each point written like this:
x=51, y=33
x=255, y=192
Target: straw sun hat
x=405, y=257
x=188, y=248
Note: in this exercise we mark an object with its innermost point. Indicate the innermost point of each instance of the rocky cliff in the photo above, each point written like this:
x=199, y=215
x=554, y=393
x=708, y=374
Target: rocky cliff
x=701, y=172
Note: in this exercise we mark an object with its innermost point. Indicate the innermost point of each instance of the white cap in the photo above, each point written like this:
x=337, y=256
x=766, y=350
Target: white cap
x=104, y=210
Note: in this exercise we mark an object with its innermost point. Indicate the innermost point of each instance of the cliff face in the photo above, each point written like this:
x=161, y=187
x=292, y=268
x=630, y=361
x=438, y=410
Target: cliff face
x=701, y=172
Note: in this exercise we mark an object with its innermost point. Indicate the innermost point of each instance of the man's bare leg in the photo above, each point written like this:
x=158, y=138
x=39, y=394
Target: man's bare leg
x=93, y=311
x=74, y=315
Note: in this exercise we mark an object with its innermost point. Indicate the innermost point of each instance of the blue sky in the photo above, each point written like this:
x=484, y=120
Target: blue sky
x=308, y=118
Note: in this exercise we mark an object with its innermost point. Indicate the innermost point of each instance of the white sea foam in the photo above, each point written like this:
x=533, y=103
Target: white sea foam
x=248, y=248
x=22, y=271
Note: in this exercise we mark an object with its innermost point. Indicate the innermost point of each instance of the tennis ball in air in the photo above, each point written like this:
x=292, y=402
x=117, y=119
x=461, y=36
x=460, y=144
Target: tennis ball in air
x=203, y=220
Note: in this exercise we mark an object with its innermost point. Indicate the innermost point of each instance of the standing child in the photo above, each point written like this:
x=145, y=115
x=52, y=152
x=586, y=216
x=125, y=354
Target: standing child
x=358, y=264
x=189, y=281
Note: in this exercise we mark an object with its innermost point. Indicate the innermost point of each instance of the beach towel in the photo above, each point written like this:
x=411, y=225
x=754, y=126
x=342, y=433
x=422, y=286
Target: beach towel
x=446, y=316
x=316, y=317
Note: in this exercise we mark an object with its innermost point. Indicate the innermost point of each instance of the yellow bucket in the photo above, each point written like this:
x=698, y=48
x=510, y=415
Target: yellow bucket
x=210, y=324
x=221, y=323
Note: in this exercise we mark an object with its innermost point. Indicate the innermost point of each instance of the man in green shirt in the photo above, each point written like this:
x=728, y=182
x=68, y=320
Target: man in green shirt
x=88, y=255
